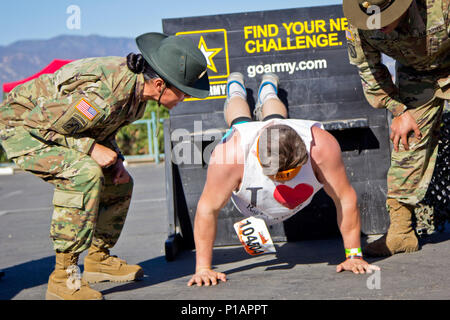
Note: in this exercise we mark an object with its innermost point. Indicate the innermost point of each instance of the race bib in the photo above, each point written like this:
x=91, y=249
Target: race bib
x=254, y=236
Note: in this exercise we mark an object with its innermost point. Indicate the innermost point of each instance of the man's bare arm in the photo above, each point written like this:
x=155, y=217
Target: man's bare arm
x=224, y=175
x=330, y=170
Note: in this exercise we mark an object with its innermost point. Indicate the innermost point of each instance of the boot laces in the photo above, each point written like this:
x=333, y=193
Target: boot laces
x=116, y=259
x=112, y=258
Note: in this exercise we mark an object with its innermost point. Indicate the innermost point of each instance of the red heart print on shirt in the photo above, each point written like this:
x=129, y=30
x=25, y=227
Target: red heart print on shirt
x=292, y=197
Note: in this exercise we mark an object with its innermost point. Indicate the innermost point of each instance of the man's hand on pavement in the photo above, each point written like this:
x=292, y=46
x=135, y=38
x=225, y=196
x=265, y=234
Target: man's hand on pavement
x=357, y=266
x=207, y=277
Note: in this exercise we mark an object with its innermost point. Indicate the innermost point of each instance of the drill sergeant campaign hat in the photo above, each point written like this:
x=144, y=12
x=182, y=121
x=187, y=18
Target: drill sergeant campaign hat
x=177, y=60
x=358, y=12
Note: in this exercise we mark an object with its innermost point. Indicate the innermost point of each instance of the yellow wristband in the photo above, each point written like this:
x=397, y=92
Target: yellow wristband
x=354, y=252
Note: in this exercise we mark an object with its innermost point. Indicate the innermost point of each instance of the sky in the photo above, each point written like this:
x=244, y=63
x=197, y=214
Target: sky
x=44, y=19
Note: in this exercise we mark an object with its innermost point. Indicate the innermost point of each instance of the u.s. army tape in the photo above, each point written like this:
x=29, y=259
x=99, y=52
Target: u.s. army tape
x=254, y=236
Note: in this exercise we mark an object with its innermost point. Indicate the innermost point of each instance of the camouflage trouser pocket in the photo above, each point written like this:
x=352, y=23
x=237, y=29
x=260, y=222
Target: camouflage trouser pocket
x=72, y=227
x=68, y=199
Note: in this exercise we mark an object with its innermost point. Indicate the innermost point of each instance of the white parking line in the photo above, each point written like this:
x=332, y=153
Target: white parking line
x=4, y=212
x=13, y=193
x=28, y=210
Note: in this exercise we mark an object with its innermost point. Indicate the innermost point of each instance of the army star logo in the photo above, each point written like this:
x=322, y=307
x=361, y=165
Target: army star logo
x=208, y=53
x=213, y=43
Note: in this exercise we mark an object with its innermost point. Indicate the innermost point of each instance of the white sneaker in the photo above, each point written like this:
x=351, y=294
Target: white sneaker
x=267, y=79
x=235, y=77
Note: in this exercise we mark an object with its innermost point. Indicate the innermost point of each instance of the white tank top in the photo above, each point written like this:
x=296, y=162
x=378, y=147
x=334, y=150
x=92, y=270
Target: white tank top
x=262, y=197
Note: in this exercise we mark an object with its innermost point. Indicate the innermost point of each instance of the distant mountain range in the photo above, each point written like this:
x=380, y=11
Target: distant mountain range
x=27, y=57
x=24, y=58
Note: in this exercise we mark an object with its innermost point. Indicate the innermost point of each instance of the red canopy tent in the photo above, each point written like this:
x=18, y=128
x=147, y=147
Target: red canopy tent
x=52, y=67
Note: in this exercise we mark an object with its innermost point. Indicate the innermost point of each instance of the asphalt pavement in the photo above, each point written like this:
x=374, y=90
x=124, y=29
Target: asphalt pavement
x=298, y=271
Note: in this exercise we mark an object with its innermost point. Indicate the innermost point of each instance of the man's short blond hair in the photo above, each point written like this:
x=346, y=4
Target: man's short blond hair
x=281, y=148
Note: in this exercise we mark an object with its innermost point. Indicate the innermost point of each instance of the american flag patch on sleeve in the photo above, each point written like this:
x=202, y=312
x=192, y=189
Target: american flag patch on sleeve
x=86, y=109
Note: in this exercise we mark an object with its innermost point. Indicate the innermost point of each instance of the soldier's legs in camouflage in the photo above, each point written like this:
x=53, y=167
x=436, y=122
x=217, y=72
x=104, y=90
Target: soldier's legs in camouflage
x=78, y=181
x=114, y=203
x=408, y=179
x=411, y=171
x=99, y=265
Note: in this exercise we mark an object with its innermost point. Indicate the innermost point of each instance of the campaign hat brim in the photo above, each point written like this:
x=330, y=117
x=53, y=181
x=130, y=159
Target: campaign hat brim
x=358, y=18
x=148, y=45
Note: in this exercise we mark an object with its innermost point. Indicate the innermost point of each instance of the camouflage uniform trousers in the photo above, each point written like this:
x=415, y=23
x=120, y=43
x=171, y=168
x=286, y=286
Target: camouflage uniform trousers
x=88, y=207
x=411, y=170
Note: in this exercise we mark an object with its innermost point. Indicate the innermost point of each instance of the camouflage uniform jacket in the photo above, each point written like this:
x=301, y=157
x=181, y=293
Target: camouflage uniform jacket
x=420, y=44
x=85, y=101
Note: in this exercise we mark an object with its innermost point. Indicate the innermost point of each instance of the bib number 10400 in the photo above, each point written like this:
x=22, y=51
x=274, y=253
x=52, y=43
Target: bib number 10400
x=254, y=236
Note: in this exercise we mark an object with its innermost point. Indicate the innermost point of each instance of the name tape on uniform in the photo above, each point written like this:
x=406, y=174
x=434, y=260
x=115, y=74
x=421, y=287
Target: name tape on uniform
x=254, y=236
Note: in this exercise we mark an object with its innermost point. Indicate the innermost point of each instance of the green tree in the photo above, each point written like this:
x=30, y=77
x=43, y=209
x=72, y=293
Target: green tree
x=132, y=139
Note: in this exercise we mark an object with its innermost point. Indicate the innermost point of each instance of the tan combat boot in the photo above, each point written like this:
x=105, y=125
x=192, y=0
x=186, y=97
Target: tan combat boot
x=65, y=282
x=400, y=236
x=100, y=266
